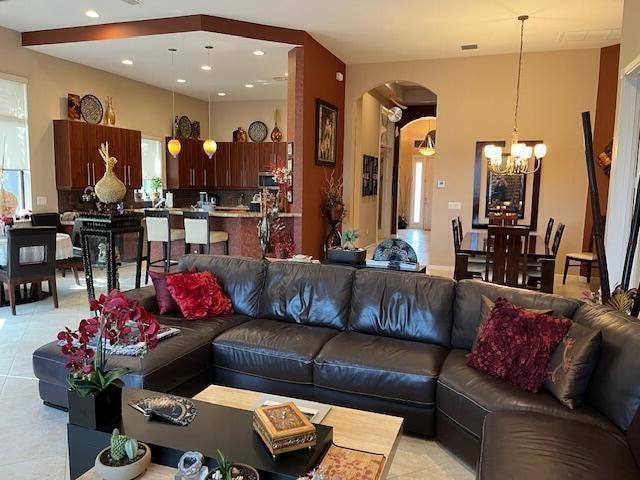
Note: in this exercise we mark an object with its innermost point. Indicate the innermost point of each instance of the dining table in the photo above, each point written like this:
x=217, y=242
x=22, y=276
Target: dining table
x=475, y=243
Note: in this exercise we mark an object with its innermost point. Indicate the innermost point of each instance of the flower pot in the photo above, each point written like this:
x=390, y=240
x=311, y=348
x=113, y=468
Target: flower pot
x=99, y=411
x=349, y=257
x=124, y=472
x=246, y=471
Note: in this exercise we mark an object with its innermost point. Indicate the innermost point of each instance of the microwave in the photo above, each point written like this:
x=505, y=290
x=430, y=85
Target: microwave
x=265, y=180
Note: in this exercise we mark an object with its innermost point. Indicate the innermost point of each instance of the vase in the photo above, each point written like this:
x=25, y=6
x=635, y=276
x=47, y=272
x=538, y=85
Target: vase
x=334, y=212
x=283, y=203
x=124, y=472
x=109, y=188
x=110, y=114
x=276, y=133
x=98, y=411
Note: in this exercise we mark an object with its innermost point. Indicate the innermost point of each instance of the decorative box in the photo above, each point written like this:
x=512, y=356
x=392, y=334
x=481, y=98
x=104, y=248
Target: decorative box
x=283, y=428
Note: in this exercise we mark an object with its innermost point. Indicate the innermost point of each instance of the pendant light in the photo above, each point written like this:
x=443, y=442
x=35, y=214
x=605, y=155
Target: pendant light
x=427, y=148
x=517, y=161
x=209, y=146
x=174, y=144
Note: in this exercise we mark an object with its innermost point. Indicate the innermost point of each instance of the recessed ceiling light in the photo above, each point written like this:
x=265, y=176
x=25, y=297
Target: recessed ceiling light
x=249, y=85
x=181, y=80
x=92, y=14
x=126, y=61
x=222, y=94
x=258, y=53
x=206, y=68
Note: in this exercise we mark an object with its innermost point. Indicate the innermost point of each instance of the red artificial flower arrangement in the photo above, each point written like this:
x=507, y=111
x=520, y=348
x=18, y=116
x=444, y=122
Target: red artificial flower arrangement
x=7, y=220
x=86, y=348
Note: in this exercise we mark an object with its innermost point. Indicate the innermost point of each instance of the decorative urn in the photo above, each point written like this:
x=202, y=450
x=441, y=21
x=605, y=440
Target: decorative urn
x=109, y=188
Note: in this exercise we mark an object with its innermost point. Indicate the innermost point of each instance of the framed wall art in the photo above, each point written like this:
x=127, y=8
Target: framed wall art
x=326, y=133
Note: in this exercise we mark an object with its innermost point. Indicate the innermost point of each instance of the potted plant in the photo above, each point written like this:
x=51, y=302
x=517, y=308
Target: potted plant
x=227, y=470
x=347, y=253
x=124, y=459
x=156, y=184
x=94, y=391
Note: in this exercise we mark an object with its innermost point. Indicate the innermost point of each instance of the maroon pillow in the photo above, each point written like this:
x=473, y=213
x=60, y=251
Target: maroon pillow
x=198, y=295
x=166, y=303
x=516, y=345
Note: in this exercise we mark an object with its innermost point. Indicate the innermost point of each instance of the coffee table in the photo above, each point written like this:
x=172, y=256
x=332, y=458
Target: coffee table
x=357, y=429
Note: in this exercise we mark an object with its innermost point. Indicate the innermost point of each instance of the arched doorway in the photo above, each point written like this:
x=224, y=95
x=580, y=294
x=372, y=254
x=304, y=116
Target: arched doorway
x=378, y=118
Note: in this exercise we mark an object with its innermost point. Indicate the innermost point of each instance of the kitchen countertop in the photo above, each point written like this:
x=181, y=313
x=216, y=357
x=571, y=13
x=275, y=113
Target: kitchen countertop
x=224, y=213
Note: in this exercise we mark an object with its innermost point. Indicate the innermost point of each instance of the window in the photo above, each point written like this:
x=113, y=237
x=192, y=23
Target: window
x=417, y=192
x=14, y=143
x=15, y=177
x=151, y=166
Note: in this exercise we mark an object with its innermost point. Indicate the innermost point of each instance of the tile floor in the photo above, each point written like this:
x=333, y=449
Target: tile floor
x=34, y=439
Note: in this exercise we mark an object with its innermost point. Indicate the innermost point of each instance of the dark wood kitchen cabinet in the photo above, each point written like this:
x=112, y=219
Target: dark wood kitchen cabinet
x=78, y=163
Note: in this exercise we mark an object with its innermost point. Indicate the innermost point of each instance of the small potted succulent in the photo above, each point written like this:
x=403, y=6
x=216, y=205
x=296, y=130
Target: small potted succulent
x=347, y=253
x=227, y=470
x=124, y=459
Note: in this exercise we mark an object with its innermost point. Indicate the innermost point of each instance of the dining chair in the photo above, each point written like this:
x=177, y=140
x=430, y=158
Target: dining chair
x=547, y=235
x=460, y=231
x=74, y=262
x=507, y=254
x=580, y=259
x=158, y=229
x=475, y=265
x=197, y=230
x=49, y=219
x=534, y=269
x=18, y=272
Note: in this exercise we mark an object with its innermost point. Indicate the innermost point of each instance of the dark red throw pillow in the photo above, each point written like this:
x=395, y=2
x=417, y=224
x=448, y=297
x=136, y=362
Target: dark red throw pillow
x=198, y=295
x=166, y=303
x=516, y=345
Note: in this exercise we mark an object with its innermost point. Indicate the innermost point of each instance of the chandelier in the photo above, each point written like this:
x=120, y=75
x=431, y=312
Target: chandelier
x=518, y=161
x=427, y=147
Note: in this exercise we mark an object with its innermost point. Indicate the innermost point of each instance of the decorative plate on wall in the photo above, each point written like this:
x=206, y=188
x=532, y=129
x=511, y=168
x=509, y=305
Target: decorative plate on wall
x=258, y=131
x=184, y=127
x=91, y=109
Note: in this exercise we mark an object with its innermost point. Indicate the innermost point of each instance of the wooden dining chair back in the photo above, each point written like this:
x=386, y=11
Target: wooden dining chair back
x=547, y=234
x=18, y=272
x=46, y=220
x=456, y=234
x=506, y=261
x=460, y=231
x=557, y=239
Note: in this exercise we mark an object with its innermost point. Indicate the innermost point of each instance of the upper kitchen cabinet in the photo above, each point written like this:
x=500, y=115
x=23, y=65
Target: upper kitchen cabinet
x=78, y=162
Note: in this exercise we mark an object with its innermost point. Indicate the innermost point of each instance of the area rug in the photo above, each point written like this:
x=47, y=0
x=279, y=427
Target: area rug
x=341, y=463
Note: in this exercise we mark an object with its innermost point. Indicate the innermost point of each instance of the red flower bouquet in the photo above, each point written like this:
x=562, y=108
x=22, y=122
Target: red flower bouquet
x=118, y=321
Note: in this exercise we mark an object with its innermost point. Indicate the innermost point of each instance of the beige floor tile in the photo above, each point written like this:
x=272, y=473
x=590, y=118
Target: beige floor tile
x=44, y=439
x=49, y=467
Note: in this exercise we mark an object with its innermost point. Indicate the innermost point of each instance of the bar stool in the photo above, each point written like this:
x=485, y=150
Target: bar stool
x=159, y=230
x=197, y=230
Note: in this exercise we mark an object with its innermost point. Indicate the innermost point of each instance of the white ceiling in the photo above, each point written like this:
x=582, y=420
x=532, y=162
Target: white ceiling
x=232, y=60
x=357, y=31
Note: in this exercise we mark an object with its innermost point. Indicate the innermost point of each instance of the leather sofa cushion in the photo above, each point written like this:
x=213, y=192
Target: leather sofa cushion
x=241, y=279
x=633, y=436
x=173, y=362
x=615, y=382
x=466, y=396
x=526, y=446
x=308, y=294
x=401, y=305
x=468, y=305
x=271, y=349
x=145, y=296
x=387, y=368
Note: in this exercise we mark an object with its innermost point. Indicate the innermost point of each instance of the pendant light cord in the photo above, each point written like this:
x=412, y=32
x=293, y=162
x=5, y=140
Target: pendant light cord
x=515, y=117
x=173, y=96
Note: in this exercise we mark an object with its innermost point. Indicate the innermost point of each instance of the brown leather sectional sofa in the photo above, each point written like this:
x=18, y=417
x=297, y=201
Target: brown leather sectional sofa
x=395, y=343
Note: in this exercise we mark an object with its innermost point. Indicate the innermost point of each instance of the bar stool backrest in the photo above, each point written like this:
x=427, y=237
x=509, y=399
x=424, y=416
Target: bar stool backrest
x=158, y=227
x=196, y=228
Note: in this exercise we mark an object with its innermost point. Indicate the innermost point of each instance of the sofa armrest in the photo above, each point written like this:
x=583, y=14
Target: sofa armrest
x=145, y=296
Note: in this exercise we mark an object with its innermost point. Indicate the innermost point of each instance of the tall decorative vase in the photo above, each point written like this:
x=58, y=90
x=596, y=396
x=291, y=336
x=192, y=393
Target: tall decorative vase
x=276, y=133
x=109, y=189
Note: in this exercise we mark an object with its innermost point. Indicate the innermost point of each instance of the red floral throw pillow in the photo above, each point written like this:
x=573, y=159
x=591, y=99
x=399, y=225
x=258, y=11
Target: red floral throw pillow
x=198, y=295
x=516, y=345
x=166, y=303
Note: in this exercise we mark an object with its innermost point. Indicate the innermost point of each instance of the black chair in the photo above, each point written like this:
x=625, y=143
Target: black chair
x=158, y=229
x=17, y=273
x=507, y=255
x=475, y=264
x=197, y=231
x=547, y=235
x=534, y=271
x=46, y=220
x=74, y=262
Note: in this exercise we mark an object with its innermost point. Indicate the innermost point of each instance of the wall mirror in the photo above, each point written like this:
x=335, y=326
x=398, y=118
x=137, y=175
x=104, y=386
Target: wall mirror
x=504, y=193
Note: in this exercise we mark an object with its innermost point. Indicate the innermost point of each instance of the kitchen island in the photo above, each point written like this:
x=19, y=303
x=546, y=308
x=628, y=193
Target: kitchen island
x=240, y=224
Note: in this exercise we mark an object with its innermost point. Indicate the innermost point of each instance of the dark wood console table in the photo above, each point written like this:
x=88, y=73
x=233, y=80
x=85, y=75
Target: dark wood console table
x=107, y=227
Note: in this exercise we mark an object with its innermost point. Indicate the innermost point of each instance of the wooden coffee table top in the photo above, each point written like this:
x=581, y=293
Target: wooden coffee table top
x=154, y=472
x=357, y=429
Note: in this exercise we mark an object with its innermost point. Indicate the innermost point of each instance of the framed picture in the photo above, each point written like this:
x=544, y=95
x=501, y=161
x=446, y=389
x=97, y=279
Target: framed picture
x=369, y=175
x=73, y=106
x=326, y=134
